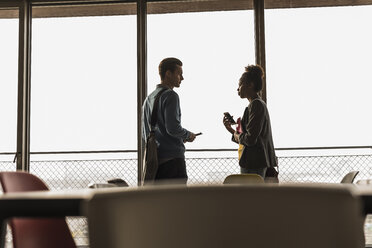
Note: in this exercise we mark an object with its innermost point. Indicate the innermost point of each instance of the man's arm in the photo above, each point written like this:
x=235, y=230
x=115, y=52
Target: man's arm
x=172, y=118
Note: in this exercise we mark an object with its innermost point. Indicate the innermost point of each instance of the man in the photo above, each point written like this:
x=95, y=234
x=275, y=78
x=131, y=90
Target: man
x=169, y=133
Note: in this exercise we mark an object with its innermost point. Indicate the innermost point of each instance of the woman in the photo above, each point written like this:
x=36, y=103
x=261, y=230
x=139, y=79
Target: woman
x=258, y=152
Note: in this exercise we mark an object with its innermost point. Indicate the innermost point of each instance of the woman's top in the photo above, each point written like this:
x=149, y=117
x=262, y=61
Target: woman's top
x=256, y=137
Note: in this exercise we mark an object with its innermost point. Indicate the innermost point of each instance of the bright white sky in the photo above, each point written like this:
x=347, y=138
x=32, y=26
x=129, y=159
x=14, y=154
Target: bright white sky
x=84, y=77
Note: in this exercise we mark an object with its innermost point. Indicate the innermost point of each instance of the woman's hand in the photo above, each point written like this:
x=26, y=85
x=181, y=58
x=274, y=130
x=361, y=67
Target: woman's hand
x=227, y=125
x=236, y=136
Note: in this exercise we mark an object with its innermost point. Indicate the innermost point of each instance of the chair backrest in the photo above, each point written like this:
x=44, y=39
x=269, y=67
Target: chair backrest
x=21, y=182
x=349, y=177
x=263, y=216
x=34, y=233
x=243, y=179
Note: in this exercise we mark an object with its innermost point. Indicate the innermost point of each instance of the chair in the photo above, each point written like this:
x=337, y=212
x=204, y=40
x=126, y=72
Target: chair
x=217, y=216
x=243, y=179
x=34, y=233
x=349, y=177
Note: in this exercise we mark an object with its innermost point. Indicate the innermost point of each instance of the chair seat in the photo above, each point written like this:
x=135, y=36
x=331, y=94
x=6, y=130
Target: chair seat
x=349, y=177
x=243, y=179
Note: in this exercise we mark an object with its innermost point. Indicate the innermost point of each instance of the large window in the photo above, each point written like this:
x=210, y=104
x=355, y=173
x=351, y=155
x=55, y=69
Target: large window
x=83, y=79
x=214, y=48
x=318, y=76
x=8, y=83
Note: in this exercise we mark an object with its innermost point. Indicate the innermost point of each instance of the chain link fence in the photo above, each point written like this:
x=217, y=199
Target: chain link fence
x=79, y=173
x=329, y=169
x=76, y=174
x=7, y=166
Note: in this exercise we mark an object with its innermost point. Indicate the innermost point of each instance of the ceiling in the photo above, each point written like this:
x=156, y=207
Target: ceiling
x=92, y=8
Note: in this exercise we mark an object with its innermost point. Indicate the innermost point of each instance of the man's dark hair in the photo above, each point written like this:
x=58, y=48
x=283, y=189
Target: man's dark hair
x=168, y=64
x=253, y=74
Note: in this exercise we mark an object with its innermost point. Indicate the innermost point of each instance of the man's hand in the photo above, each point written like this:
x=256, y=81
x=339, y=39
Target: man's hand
x=191, y=137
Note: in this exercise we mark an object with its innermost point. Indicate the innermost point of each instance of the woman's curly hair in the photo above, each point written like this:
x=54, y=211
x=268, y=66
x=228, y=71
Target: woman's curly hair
x=253, y=74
